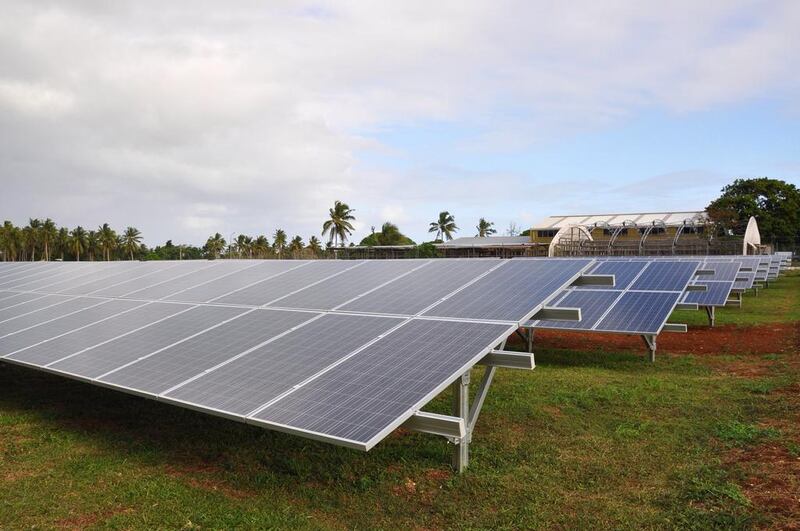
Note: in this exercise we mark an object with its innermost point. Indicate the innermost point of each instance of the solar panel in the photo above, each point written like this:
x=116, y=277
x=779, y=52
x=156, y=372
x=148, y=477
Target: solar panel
x=114, y=276
x=100, y=324
x=717, y=293
x=365, y=397
x=264, y=374
x=176, y=364
x=421, y=288
x=271, y=289
x=46, y=324
x=12, y=298
x=511, y=291
x=639, y=312
x=190, y=280
x=236, y=281
x=665, y=276
x=178, y=269
x=333, y=292
x=724, y=271
x=39, y=310
x=101, y=359
x=624, y=273
x=593, y=304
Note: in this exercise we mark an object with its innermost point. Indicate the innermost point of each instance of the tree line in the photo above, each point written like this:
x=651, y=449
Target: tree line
x=44, y=240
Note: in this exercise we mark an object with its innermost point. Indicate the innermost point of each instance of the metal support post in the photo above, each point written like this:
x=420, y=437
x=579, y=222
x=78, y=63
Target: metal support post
x=712, y=316
x=530, y=340
x=477, y=403
x=650, y=341
x=461, y=410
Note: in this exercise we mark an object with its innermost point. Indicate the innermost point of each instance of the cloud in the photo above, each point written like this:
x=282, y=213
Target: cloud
x=128, y=111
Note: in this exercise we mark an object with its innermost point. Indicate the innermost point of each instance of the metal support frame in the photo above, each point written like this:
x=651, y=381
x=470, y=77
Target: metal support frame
x=650, y=341
x=459, y=426
x=712, y=315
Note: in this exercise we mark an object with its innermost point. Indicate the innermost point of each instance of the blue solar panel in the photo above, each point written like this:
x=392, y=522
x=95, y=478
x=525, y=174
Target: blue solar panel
x=593, y=305
x=666, y=276
x=723, y=271
x=639, y=312
x=716, y=295
x=624, y=273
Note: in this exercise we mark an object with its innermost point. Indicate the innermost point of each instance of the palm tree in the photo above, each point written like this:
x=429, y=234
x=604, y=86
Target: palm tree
x=338, y=226
x=314, y=246
x=48, y=233
x=215, y=244
x=444, y=227
x=279, y=242
x=261, y=246
x=92, y=244
x=32, y=235
x=62, y=241
x=296, y=246
x=108, y=240
x=485, y=228
x=12, y=241
x=79, y=241
x=131, y=240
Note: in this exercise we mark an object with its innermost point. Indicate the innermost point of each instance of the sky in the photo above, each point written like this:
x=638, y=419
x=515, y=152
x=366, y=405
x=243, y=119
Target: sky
x=188, y=118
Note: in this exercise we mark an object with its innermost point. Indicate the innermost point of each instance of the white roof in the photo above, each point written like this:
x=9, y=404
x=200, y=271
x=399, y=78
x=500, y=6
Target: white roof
x=641, y=218
x=488, y=241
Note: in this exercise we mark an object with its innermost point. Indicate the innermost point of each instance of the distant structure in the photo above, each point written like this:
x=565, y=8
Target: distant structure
x=641, y=233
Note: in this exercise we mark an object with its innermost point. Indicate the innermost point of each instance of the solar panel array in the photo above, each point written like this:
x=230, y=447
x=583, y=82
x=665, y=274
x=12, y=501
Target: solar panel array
x=343, y=351
x=644, y=295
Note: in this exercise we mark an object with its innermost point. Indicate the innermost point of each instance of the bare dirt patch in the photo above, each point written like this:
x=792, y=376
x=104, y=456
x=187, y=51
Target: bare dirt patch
x=200, y=477
x=728, y=339
x=83, y=521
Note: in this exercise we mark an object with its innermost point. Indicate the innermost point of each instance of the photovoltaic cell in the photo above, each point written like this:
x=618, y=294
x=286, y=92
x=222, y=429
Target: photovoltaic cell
x=280, y=286
x=666, y=276
x=32, y=305
x=110, y=320
x=11, y=298
x=116, y=277
x=180, y=362
x=40, y=326
x=262, y=375
x=336, y=291
x=511, y=292
x=416, y=291
x=639, y=312
x=99, y=360
x=379, y=388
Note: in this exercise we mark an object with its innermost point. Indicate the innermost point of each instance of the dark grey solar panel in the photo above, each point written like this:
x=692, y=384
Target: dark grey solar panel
x=253, y=380
x=206, y=274
x=723, y=271
x=593, y=305
x=716, y=295
x=273, y=288
x=666, y=276
x=747, y=283
x=178, y=363
x=14, y=281
x=512, y=291
x=35, y=328
x=377, y=389
x=416, y=291
x=335, y=291
x=624, y=273
x=108, y=324
x=49, y=282
x=39, y=303
x=639, y=312
x=156, y=277
x=99, y=360
x=236, y=281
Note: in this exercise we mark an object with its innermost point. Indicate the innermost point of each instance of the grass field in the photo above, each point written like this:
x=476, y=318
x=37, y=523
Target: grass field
x=587, y=439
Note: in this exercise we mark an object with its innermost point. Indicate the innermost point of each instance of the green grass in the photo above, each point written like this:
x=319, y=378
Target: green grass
x=588, y=439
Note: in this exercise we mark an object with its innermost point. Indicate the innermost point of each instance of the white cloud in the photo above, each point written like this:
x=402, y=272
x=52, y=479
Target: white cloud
x=265, y=108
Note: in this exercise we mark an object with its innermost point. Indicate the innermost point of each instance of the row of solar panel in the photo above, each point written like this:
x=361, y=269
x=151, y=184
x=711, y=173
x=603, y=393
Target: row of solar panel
x=469, y=289
x=346, y=378
x=643, y=297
